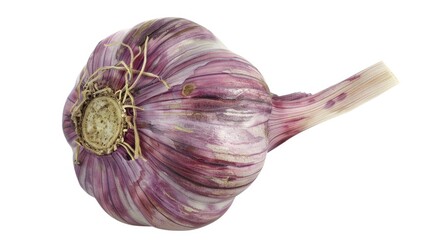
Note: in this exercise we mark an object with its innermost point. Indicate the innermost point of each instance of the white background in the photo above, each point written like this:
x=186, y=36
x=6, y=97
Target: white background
x=363, y=175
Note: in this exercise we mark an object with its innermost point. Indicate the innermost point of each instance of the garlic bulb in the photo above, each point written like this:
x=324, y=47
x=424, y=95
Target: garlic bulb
x=167, y=126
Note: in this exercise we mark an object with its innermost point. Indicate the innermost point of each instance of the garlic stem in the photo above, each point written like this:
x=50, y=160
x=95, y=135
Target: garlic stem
x=297, y=112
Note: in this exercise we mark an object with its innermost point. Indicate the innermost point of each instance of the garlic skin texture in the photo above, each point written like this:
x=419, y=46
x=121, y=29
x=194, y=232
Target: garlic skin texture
x=200, y=113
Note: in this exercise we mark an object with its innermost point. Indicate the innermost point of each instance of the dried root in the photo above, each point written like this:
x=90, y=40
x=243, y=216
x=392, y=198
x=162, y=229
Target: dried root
x=125, y=101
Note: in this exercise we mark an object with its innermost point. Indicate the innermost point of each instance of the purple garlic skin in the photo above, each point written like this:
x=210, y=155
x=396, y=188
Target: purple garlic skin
x=167, y=126
x=203, y=139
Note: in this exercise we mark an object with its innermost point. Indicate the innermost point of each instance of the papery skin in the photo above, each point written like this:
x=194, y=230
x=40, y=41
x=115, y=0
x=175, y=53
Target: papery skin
x=203, y=141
